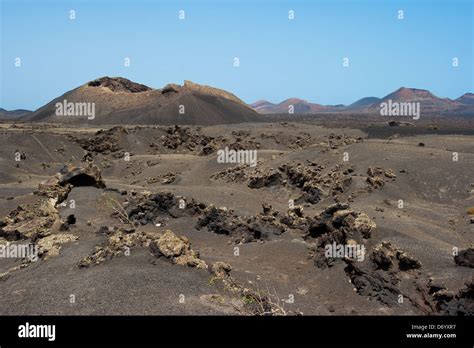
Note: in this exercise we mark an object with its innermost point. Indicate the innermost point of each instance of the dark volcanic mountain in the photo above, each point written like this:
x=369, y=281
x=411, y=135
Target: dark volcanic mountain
x=121, y=101
x=466, y=99
x=12, y=114
x=364, y=102
x=299, y=107
x=263, y=106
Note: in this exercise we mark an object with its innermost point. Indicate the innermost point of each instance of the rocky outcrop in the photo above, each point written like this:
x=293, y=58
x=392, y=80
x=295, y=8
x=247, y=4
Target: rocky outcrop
x=51, y=245
x=315, y=182
x=452, y=303
x=309, y=178
x=31, y=222
x=465, y=258
x=241, y=229
x=232, y=174
x=171, y=88
x=265, y=178
x=186, y=138
x=177, y=250
x=167, y=245
x=103, y=141
x=150, y=208
x=39, y=220
x=376, y=176
x=119, y=84
x=119, y=241
x=220, y=269
x=59, y=186
x=390, y=276
x=338, y=225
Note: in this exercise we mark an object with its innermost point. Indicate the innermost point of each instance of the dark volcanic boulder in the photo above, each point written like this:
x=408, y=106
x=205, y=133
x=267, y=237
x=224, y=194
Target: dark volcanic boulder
x=119, y=84
x=465, y=258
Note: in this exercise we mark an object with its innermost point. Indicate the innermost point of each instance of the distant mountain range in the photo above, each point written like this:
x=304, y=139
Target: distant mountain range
x=116, y=100
x=12, y=114
x=299, y=106
x=429, y=103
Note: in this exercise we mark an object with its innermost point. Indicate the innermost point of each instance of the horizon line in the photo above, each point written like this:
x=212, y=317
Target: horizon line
x=246, y=102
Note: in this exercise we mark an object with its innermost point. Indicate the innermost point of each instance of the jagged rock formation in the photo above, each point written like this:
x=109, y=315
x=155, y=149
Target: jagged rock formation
x=59, y=186
x=177, y=250
x=390, y=276
x=119, y=84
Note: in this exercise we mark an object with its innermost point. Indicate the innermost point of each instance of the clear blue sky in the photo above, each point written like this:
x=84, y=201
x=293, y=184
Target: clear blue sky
x=279, y=58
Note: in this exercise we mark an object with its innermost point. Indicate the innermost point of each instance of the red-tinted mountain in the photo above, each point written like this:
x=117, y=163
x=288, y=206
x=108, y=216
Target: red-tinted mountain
x=428, y=101
x=429, y=104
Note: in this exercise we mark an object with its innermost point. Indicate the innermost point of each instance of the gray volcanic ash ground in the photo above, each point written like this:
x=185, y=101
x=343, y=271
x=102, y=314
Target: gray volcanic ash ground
x=145, y=220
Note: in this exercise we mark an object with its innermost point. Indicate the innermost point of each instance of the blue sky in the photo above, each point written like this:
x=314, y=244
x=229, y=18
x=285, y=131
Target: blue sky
x=279, y=58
